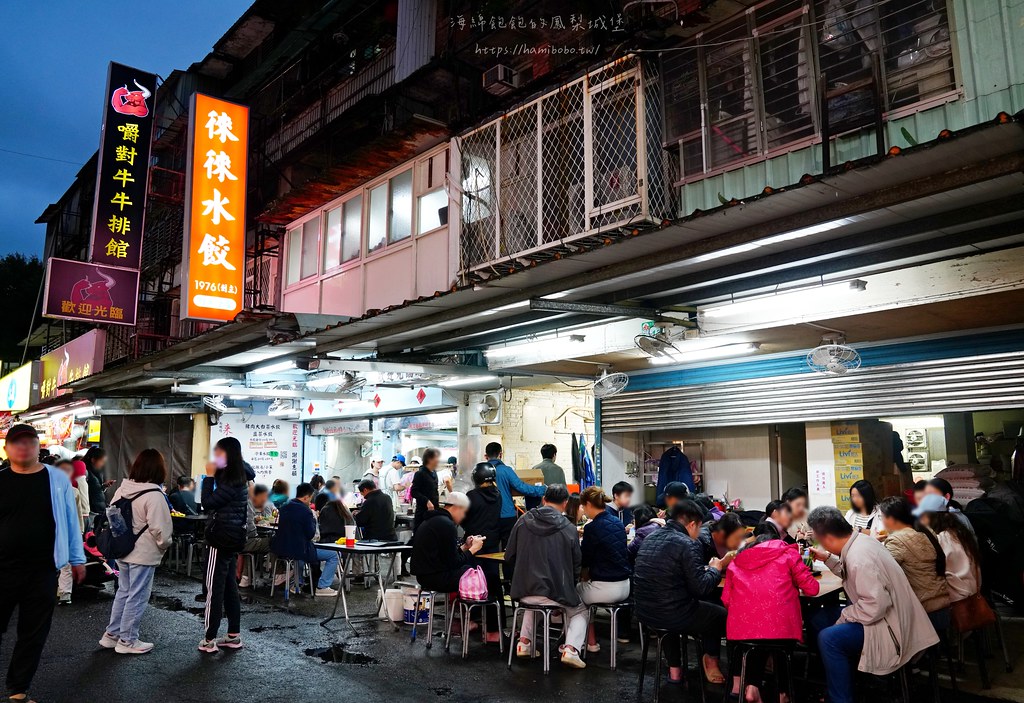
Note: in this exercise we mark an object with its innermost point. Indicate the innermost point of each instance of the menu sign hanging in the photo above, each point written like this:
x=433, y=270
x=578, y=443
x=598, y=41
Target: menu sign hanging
x=78, y=358
x=214, y=242
x=122, y=176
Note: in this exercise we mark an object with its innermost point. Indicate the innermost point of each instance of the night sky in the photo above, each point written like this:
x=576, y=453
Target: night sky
x=54, y=64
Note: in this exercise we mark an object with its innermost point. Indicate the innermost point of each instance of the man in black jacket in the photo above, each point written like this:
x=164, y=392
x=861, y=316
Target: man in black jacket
x=424, y=487
x=721, y=537
x=183, y=497
x=438, y=561
x=544, y=549
x=376, y=515
x=670, y=581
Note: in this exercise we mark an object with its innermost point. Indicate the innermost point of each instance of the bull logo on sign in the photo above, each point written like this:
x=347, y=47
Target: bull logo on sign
x=130, y=102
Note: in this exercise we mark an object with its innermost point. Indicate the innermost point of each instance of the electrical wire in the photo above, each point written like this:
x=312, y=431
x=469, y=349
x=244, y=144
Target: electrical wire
x=38, y=156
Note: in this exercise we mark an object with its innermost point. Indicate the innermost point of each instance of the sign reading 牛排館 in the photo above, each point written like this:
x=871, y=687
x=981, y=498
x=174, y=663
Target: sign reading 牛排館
x=81, y=357
x=213, y=256
x=122, y=175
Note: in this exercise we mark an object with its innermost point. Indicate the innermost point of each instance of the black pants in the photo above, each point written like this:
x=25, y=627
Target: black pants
x=505, y=526
x=34, y=593
x=707, y=621
x=221, y=592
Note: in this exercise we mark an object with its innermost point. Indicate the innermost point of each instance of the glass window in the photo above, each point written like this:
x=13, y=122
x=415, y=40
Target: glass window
x=332, y=239
x=401, y=207
x=378, y=227
x=352, y=228
x=294, y=254
x=429, y=210
x=310, y=248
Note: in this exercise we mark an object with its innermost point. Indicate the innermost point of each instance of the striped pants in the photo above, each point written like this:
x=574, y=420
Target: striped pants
x=221, y=593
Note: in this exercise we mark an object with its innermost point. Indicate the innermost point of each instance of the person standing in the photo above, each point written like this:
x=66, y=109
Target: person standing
x=95, y=462
x=66, y=580
x=38, y=535
x=226, y=499
x=391, y=483
x=373, y=473
x=553, y=473
x=151, y=522
x=508, y=480
x=424, y=487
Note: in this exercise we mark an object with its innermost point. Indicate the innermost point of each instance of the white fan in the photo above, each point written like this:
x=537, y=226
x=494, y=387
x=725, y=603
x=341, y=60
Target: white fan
x=488, y=410
x=216, y=402
x=609, y=384
x=365, y=449
x=657, y=344
x=833, y=357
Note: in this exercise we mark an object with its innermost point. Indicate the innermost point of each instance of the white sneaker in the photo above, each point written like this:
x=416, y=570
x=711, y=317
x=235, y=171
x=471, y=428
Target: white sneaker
x=571, y=658
x=594, y=647
x=326, y=592
x=108, y=641
x=523, y=649
x=244, y=582
x=229, y=641
x=136, y=647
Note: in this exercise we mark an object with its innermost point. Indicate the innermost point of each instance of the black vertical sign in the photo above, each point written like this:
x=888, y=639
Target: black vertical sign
x=122, y=178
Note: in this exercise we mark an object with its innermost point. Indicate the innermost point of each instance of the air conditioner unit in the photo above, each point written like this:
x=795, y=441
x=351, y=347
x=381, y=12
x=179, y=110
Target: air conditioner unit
x=501, y=79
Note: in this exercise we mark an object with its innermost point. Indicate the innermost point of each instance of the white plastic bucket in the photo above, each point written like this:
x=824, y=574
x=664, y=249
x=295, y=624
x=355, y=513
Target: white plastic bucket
x=393, y=605
x=409, y=606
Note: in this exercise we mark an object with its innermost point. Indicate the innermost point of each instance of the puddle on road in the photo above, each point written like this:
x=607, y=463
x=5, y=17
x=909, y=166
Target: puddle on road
x=337, y=654
x=175, y=605
x=265, y=628
x=442, y=691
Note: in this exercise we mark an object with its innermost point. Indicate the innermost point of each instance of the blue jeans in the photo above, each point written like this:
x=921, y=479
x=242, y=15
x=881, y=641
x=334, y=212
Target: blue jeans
x=840, y=647
x=330, y=559
x=134, y=583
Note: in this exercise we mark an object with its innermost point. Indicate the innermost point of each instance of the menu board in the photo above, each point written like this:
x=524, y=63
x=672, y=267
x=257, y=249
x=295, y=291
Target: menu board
x=273, y=447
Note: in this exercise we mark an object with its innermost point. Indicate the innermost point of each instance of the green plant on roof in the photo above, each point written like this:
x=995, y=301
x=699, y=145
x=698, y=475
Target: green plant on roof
x=908, y=136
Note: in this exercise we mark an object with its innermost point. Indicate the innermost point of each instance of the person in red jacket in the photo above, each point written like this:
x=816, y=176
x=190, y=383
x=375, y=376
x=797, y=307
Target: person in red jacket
x=762, y=597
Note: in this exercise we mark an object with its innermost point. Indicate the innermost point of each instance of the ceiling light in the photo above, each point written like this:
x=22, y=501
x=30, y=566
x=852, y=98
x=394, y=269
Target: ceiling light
x=726, y=350
x=510, y=306
x=790, y=302
x=215, y=382
x=534, y=347
x=275, y=367
x=466, y=381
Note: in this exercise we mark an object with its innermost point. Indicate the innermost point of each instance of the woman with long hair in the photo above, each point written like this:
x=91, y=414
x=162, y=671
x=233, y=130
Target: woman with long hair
x=151, y=522
x=863, y=512
x=920, y=555
x=95, y=461
x=226, y=500
x=963, y=557
x=333, y=517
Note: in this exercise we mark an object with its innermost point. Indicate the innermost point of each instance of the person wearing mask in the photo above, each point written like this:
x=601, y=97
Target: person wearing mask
x=796, y=499
x=721, y=537
x=863, y=513
x=553, y=473
x=424, y=487
x=183, y=497
x=484, y=518
x=963, y=578
x=66, y=580
x=544, y=555
x=605, y=560
x=942, y=487
x=332, y=517
x=671, y=582
x=95, y=462
x=296, y=530
x=622, y=496
x=438, y=562
x=507, y=481
x=762, y=598
x=778, y=515
x=884, y=627
x=151, y=522
x=226, y=500
x=38, y=536
x=646, y=521
x=279, y=491
x=373, y=473
x=376, y=516
x=391, y=482
x=259, y=510
x=920, y=555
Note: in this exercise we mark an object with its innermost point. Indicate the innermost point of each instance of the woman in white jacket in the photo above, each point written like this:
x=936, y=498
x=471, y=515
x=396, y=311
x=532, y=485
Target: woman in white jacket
x=151, y=521
x=963, y=577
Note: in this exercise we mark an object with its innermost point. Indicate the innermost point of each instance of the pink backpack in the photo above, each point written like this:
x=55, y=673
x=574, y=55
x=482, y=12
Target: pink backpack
x=473, y=585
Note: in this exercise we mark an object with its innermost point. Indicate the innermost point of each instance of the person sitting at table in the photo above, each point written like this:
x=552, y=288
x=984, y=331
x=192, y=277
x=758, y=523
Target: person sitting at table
x=863, y=513
x=376, y=514
x=884, y=627
x=183, y=497
x=796, y=499
x=438, y=562
x=484, y=518
x=942, y=487
x=317, y=482
x=779, y=515
x=919, y=554
x=721, y=537
x=332, y=517
x=762, y=599
x=675, y=491
x=605, y=560
x=332, y=489
x=671, y=582
x=279, y=491
x=645, y=521
x=260, y=509
x=296, y=530
x=544, y=554
x=622, y=496
x=963, y=579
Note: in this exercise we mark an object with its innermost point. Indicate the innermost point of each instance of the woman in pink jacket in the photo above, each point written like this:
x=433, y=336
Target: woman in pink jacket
x=762, y=596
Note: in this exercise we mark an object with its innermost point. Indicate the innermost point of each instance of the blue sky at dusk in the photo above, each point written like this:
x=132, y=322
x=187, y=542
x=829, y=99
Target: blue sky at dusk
x=54, y=57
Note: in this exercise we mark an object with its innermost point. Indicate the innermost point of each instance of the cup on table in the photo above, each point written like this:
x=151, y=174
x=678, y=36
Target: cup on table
x=350, y=535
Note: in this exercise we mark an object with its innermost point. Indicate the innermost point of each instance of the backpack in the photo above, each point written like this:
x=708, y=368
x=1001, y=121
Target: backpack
x=115, y=537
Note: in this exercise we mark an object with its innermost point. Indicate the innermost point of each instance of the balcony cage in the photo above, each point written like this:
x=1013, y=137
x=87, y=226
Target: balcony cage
x=582, y=159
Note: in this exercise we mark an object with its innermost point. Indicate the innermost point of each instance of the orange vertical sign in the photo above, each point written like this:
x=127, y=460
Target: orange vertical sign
x=214, y=243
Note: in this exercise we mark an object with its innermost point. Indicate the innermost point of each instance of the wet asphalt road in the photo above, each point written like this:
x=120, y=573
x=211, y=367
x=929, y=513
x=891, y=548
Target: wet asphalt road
x=284, y=660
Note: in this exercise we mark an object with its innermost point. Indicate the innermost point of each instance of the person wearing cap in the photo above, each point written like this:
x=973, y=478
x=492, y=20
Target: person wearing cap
x=438, y=561
x=507, y=481
x=38, y=536
x=373, y=473
x=484, y=518
x=392, y=478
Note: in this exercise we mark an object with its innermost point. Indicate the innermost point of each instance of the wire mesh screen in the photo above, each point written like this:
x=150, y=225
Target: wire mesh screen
x=553, y=169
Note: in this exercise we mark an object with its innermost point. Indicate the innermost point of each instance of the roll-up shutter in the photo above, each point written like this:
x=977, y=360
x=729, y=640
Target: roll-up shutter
x=988, y=382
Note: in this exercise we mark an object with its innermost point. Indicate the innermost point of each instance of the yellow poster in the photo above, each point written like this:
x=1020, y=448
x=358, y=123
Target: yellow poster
x=92, y=432
x=848, y=454
x=845, y=431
